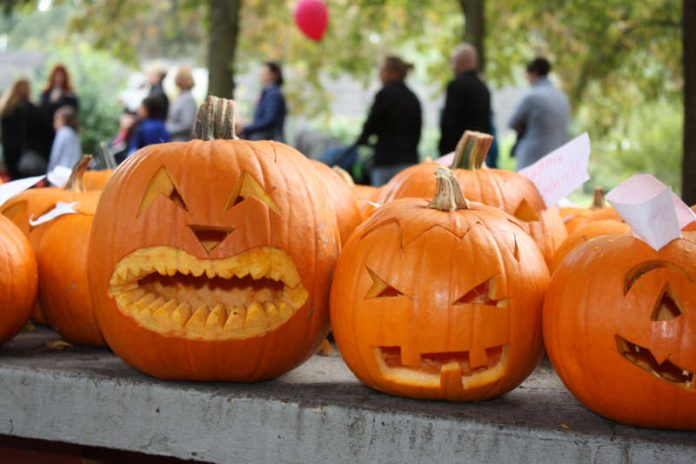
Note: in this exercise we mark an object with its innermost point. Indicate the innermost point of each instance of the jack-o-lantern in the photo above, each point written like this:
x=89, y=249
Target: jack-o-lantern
x=504, y=189
x=620, y=329
x=440, y=301
x=97, y=180
x=211, y=259
x=18, y=279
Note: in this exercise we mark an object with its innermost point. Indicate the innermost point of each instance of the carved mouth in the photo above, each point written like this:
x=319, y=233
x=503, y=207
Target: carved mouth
x=644, y=359
x=435, y=369
x=171, y=292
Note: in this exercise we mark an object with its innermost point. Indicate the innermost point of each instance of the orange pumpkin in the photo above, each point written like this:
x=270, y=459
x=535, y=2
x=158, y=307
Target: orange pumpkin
x=62, y=257
x=211, y=259
x=508, y=190
x=691, y=227
x=574, y=216
x=585, y=233
x=341, y=194
x=620, y=329
x=440, y=301
x=31, y=204
x=96, y=180
x=18, y=279
x=548, y=232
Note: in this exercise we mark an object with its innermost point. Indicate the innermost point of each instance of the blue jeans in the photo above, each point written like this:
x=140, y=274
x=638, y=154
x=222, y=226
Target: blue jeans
x=380, y=175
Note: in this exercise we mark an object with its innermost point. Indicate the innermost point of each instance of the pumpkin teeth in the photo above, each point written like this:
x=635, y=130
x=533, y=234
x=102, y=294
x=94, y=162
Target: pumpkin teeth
x=643, y=358
x=174, y=293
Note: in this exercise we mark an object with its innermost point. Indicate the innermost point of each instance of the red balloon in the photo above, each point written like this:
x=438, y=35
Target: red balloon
x=312, y=17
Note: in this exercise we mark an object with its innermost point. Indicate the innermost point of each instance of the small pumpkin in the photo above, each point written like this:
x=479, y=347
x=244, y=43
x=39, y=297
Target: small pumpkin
x=31, y=204
x=439, y=300
x=585, y=233
x=341, y=194
x=65, y=296
x=211, y=259
x=620, y=329
x=96, y=180
x=575, y=216
x=18, y=279
x=504, y=189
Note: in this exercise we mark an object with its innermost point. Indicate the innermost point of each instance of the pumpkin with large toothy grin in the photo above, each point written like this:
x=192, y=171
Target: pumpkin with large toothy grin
x=211, y=259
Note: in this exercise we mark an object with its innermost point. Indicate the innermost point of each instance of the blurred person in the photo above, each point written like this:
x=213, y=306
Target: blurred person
x=467, y=101
x=542, y=118
x=119, y=144
x=182, y=112
x=57, y=93
x=271, y=109
x=395, y=119
x=150, y=128
x=155, y=77
x=24, y=133
x=66, y=149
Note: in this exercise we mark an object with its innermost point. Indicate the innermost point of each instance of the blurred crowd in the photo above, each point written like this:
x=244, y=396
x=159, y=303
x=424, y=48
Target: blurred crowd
x=38, y=138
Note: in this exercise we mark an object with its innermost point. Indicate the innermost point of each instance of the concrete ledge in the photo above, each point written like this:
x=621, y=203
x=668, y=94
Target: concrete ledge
x=318, y=413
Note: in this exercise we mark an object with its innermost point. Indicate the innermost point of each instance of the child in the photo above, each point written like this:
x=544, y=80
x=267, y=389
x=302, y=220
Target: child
x=66, y=150
x=151, y=128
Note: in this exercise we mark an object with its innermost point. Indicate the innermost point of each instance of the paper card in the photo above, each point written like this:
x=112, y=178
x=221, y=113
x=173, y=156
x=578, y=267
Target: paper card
x=655, y=214
x=60, y=209
x=59, y=176
x=562, y=171
x=16, y=187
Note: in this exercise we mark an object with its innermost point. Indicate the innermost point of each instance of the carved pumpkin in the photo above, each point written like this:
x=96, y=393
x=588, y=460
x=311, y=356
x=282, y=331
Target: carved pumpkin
x=548, y=232
x=341, y=194
x=585, y=233
x=508, y=190
x=620, y=329
x=31, y=204
x=18, y=279
x=65, y=296
x=437, y=302
x=211, y=259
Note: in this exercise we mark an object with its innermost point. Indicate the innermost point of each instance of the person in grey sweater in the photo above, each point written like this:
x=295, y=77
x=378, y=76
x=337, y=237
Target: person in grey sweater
x=182, y=112
x=66, y=149
x=542, y=117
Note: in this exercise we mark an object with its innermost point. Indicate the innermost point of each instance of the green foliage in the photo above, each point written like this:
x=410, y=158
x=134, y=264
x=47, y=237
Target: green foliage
x=97, y=78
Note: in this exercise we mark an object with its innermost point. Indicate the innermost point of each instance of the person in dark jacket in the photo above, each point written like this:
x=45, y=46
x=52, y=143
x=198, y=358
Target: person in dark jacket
x=24, y=133
x=468, y=100
x=150, y=128
x=156, y=73
x=395, y=119
x=269, y=116
x=57, y=93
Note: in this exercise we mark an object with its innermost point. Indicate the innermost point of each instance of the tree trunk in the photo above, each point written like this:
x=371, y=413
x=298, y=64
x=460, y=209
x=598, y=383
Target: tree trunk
x=689, y=44
x=222, y=46
x=474, y=31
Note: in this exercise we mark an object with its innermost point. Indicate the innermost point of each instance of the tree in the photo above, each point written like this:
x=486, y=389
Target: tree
x=689, y=57
x=222, y=46
x=475, y=22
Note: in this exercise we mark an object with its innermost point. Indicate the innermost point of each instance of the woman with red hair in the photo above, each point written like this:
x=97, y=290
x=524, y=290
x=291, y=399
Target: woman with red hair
x=57, y=93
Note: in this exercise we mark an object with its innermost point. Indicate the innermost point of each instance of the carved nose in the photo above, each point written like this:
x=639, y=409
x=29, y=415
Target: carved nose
x=210, y=237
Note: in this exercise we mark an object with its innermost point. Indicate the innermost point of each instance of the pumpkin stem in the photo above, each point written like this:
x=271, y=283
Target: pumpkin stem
x=471, y=150
x=448, y=192
x=598, y=199
x=215, y=120
x=344, y=175
x=76, y=180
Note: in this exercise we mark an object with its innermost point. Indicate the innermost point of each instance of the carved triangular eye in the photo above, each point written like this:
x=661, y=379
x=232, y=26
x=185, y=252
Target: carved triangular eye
x=666, y=308
x=380, y=289
x=482, y=294
x=161, y=184
x=247, y=187
x=525, y=212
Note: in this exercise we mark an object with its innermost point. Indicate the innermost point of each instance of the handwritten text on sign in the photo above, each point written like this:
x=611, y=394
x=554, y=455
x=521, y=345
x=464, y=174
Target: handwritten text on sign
x=562, y=171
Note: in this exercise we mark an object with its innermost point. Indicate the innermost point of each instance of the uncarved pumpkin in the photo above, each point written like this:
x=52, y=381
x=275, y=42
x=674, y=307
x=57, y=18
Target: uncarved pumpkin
x=18, y=279
x=548, y=232
x=211, y=259
x=65, y=296
x=575, y=216
x=439, y=301
x=96, y=180
x=508, y=190
x=691, y=227
x=585, y=233
x=620, y=329
x=341, y=194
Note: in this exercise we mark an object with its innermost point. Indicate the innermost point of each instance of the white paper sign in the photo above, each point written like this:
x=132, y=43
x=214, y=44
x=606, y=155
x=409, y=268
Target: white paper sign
x=16, y=187
x=59, y=176
x=61, y=209
x=562, y=171
x=655, y=214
